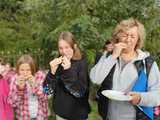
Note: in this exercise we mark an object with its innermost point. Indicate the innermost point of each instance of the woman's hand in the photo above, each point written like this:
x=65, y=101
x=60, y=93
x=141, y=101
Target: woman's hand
x=118, y=49
x=54, y=64
x=66, y=63
x=136, y=97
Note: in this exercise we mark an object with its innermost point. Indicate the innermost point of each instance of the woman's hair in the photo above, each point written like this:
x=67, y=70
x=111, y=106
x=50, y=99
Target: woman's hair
x=26, y=59
x=124, y=25
x=70, y=39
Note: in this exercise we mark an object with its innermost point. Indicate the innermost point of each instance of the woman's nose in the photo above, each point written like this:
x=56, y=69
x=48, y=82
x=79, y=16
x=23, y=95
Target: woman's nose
x=128, y=38
x=65, y=52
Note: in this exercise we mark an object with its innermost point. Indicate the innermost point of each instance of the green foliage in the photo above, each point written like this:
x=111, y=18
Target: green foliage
x=36, y=24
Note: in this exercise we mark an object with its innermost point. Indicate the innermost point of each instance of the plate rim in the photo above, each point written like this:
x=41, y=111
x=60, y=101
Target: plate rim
x=129, y=97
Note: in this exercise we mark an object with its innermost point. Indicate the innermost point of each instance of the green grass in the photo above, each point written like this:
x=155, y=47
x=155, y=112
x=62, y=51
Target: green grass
x=94, y=113
x=51, y=118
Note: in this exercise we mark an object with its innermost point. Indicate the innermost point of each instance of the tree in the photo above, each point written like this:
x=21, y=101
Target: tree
x=36, y=24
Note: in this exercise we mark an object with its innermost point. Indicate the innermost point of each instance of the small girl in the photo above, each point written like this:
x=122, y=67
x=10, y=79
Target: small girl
x=26, y=92
x=6, y=111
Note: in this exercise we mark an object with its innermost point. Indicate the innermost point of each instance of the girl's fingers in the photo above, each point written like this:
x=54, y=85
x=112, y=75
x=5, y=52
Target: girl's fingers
x=30, y=77
x=59, y=60
x=55, y=62
x=63, y=58
x=20, y=82
x=67, y=60
x=21, y=79
x=63, y=64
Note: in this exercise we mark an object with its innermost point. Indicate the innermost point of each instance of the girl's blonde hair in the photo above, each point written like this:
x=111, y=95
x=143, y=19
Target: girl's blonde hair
x=29, y=60
x=70, y=39
x=124, y=25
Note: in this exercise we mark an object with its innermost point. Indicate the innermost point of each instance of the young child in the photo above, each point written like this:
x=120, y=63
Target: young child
x=6, y=111
x=26, y=91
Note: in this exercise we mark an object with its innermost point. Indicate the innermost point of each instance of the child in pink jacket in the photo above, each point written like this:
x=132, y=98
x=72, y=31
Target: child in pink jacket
x=26, y=91
x=6, y=111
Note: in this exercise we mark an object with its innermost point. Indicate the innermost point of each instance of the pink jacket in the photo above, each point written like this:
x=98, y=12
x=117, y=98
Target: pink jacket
x=19, y=98
x=6, y=111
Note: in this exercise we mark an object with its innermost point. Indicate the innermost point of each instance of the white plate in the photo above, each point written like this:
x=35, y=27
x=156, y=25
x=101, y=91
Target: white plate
x=116, y=95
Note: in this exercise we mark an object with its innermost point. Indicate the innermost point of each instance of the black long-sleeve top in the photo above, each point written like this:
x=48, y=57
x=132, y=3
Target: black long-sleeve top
x=70, y=89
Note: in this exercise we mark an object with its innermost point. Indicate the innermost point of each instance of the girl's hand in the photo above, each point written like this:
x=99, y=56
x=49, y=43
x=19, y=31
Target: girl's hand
x=136, y=97
x=66, y=63
x=21, y=81
x=54, y=64
x=31, y=80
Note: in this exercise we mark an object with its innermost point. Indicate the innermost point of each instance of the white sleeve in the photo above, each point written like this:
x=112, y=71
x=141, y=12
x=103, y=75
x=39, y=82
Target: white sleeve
x=152, y=97
x=102, y=69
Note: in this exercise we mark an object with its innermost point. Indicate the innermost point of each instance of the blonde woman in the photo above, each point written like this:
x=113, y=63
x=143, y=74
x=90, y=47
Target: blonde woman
x=119, y=72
